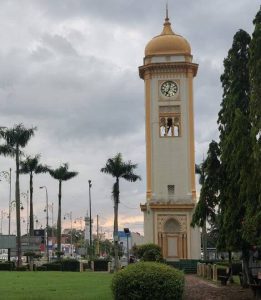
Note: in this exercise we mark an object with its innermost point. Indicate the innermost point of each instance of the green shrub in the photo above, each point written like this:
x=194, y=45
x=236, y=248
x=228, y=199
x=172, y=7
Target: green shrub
x=147, y=281
x=71, y=265
x=7, y=266
x=55, y=266
x=41, y=268
x=101, y=265
x=22, y=268
x=150, y=252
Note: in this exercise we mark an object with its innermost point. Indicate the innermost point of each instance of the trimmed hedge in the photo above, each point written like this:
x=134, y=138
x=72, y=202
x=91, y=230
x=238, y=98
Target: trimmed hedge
x=146, y=281
x=52, y=266
x=22, y=268
x=71, y=265
x=7, y=266
x=41, y=268
x=101, y=265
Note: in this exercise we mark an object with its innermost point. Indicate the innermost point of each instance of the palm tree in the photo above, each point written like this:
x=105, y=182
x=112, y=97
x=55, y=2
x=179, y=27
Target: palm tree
x=61, y=174
x=5, y=149
x=31, y=166
x=117, y=168
x=17, y=138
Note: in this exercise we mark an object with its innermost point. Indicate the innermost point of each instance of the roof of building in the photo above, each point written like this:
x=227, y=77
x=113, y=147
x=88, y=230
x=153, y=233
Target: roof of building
x=168, y=42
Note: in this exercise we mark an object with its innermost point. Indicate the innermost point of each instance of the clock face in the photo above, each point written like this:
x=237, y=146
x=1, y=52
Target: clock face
x=169, y=88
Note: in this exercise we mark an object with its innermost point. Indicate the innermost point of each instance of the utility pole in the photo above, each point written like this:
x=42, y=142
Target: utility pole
x=47, y=218
x=52, y=220
x=90, y=207
x=9, y=212
x=98, y=245
x=10, y=195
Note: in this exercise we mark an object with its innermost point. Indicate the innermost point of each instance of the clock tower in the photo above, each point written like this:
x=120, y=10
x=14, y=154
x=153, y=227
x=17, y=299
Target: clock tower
x=168, y=73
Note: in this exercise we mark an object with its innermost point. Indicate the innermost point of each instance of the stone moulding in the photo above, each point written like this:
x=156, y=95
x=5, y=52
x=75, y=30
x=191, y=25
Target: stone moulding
x=162, y=68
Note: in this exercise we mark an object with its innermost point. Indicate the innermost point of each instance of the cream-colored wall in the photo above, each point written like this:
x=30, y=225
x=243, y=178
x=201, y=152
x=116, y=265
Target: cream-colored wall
x=148, y=226
x=168, y=58
x=170, y=155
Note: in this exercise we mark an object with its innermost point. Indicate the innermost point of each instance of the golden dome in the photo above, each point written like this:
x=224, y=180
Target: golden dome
x=168, y=43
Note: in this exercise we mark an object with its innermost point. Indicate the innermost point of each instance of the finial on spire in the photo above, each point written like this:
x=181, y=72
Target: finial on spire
x=167, y=25
x=167, y=11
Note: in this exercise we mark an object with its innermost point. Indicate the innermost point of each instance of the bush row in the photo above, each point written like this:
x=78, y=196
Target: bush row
x=71, y=265
x=7, y=266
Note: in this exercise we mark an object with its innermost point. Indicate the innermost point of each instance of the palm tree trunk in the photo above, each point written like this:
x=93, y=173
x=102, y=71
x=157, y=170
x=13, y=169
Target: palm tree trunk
x=115, y=234
x=17, y=205
x=31, y=206
x=59, y=221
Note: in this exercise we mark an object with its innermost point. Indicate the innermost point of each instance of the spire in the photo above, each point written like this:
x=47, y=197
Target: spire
x=167, y=12
x=167, y=25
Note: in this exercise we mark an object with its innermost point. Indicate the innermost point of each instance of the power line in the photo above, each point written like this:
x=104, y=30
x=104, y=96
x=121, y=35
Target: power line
x=129, y=207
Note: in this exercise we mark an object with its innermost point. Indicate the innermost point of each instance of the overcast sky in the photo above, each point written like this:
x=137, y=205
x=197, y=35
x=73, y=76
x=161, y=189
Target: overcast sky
x=70, y=67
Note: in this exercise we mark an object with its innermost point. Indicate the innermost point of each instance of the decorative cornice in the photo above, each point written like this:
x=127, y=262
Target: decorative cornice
x=171, y=206
x=146, y=71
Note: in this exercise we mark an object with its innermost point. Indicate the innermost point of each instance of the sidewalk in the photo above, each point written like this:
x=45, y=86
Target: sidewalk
x=199, y=289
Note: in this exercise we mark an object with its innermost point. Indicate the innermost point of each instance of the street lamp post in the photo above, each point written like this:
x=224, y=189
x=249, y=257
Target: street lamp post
x=26, y=196
x=10, y=195
x=47, y=218
x=8, y=177
x=90, y=208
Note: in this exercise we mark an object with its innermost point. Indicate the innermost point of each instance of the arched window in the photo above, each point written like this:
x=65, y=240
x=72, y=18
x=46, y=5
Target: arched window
x=169, y=121
x=162, y=127
x=172, y=226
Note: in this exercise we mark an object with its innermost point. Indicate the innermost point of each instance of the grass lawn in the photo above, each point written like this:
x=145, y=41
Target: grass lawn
x=55, y=285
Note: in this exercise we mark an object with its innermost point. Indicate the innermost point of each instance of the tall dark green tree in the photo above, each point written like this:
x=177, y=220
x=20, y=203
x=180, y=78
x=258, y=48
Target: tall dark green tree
x=209, y=179
x=31, y=165
x=252, y=222
x=117, y=168
x=235, y=144
x=17, y=138
x=61, y=174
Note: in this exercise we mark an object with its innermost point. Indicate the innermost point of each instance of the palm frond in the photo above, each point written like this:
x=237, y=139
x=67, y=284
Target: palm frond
x=69, y=175
x=18, y=135
x=42, y=169
x=131, y=177
x=30, y=164
x=7, y=150
x=62, y=173
x=118, y=168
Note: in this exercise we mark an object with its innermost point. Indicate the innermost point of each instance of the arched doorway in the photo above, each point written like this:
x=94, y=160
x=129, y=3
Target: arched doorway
x=172, y=240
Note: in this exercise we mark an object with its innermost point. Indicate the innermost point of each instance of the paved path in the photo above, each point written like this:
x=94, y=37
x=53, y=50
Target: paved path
x=199, y=289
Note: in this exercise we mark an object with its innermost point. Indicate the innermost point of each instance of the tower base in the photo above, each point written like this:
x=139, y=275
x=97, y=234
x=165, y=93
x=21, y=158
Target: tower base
x=168, y=225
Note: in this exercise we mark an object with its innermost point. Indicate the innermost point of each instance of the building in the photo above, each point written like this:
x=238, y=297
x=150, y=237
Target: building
x=168, y=73
x=129, y=240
